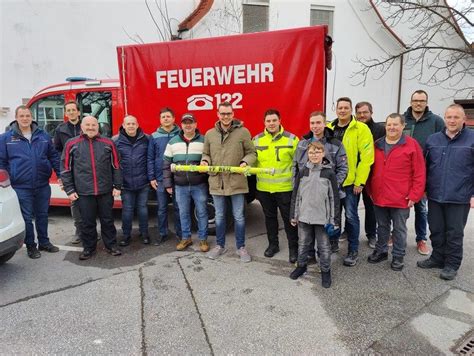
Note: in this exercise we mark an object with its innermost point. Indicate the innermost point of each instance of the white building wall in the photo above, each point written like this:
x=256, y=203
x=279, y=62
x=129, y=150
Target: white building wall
x=43, y=42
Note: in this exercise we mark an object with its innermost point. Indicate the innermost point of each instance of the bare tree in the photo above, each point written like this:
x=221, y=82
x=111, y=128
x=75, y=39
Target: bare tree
x=436, y=48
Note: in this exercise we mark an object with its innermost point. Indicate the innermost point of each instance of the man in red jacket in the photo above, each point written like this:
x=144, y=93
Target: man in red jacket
x=396, y=184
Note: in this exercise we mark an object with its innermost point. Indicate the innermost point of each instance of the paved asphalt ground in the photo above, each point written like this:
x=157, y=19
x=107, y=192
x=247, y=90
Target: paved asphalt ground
x=154, y=300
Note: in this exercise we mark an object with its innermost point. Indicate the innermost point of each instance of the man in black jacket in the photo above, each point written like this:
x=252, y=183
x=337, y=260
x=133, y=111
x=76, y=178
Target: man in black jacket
x=65, y=131
x=364, y=114
x=91, y=175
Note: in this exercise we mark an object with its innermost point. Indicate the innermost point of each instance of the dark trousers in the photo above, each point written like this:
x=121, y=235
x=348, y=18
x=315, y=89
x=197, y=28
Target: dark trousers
x=76, y=216
x=93, y=206
x=447, y=222
x=271, y=203
x=34, y=204
x=307, y=235
x=370, y=221
x=386, y=218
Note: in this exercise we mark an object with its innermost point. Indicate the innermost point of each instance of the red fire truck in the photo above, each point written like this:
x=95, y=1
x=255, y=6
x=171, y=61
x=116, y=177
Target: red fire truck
x=283, y=69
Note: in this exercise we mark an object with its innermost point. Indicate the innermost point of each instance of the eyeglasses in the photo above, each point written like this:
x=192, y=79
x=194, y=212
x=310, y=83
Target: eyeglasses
x=225, y=113
x=418, y=101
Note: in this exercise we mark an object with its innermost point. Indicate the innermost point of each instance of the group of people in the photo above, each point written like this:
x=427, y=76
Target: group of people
x=417, y=160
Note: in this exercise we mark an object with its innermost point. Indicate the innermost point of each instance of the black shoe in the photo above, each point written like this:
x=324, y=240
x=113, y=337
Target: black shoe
x=293, y=255
x=298, y=272
x=33, y=252
x=429, y=263
x=351, y=259
x=397, y=263
x=448, y=273
x=49, y=248
x=271, y=251
x=377, y=257
x=159, y=240
x=114, y=251
x=145, y=239
x=334, y=245
x=372, y=241
x=86, y=254
x=326, y=279
x=125, y=241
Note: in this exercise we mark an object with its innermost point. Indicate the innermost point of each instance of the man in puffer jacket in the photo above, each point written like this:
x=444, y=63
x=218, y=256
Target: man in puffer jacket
x=132, y=145
x=396, y=183
x=186, y=148
x=90, y=171
x=156, y=150
x=421, y=123
x=450, y=189
x=28, y=154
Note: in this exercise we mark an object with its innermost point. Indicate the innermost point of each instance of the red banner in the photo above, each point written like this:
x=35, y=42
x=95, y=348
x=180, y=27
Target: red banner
x=284, y=70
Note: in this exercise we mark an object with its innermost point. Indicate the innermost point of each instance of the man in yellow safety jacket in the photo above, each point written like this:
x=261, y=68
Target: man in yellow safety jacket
x=275, y=148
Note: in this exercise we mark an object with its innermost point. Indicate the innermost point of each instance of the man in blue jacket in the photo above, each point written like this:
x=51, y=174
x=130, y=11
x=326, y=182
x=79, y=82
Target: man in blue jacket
x=132, y=145
x=450, y=190
x=156, y=150
x=28, y=154
x=421, y=123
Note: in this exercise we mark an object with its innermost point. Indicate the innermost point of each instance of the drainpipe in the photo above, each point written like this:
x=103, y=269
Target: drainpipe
x=399, y=40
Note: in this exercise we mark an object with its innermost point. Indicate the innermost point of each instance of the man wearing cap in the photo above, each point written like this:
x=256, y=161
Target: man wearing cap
x=186, y=148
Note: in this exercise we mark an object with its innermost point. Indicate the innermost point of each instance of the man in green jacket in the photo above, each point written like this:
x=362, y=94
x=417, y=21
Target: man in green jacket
x=275, y=148
x=228, y=144
x=357, y=140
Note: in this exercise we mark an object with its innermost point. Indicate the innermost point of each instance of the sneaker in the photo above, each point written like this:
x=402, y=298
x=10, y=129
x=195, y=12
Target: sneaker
x=351, y=259
x=429, y=263
x=397, y=263
x=448, y=273
x=377, y=257
x=184, y=244
x=125, y=241
x=216, y=252
x=49, y=248
x=372, y=241
x=298, y=272
x=114, y=251
x=86, y=254
x=244, y=255
x=204, y=246
x=343, y=236
x=33, y=252
x=334, y=245
x=390, y=241
x=76, y=241
x=159, y=240
x=422, y=248
x=145, y=239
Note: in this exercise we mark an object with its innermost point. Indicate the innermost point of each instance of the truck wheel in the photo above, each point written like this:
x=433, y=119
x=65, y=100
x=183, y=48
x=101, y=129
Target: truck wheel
x=5, y=258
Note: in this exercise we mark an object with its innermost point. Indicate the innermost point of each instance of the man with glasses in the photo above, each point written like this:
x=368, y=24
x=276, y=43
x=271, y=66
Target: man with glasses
x=421, y=123
x=228, y=144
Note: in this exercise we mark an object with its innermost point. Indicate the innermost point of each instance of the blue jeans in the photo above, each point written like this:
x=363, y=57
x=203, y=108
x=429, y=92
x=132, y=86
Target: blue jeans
x=421, y=219
x=237, y=201
x=351, y=205
x=162, y=198
x=198, y=193
x=130, y=200
x=34, y=204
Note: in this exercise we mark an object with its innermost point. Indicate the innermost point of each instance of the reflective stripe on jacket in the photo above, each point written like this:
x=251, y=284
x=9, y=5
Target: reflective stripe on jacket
x=275, y=152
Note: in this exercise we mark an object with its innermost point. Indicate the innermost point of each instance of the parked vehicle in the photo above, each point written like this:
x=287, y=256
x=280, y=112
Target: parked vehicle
x=277, y=69
x=12, y=225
